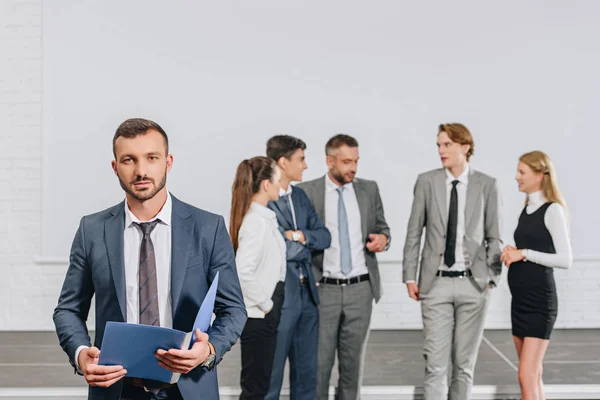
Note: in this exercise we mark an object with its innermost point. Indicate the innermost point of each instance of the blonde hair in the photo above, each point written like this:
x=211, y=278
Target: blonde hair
x=539, y=162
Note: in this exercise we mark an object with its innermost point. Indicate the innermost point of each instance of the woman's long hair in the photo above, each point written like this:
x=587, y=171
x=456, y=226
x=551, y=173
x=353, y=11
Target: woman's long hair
x=250, y=173
x=539, y=162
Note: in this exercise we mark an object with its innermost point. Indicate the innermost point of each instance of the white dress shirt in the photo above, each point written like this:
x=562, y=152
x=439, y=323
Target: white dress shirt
x=556, y=223
x=332, y=261
x=260, y=259
x=161, y=240
x=132, y=241
x=462, y=261
x=288, y=193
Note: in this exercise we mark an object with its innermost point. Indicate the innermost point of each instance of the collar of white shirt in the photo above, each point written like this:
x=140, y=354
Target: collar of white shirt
x=463, y=178
x=536, y=198
x=263, y=211
x=164, y=214
x=283, y=192
x=330, y=185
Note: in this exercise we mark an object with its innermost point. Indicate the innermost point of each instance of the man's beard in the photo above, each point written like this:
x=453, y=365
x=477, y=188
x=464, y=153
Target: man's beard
x=339, y=177
x=148, y=193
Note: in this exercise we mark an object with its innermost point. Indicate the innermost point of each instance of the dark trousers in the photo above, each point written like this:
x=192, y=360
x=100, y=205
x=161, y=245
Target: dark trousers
x=258, y=342
x=131, y=392
x=297, y=338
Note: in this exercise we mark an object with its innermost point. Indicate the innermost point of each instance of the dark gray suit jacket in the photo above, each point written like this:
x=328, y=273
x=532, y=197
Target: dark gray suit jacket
x=372, y=221
x=200, y=248
x=482, y=226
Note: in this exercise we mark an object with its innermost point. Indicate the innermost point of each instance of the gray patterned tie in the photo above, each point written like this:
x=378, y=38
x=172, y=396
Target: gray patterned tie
x=345, y=253
x=148, y=290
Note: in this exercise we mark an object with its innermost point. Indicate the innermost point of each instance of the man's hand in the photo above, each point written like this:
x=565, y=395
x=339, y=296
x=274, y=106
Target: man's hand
x=290, y=236
x=183, y=361
x=413, y=290
x=98, y=375
x=377, y=242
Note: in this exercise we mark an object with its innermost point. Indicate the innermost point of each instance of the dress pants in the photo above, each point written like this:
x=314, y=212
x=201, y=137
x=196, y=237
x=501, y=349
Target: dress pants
x=258, y=342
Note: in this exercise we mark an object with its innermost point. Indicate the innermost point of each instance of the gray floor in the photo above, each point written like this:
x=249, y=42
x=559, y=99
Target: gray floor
x=34, y=359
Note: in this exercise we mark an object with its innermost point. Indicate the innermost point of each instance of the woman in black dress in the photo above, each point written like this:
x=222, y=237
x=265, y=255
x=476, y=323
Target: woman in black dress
x=542, y=244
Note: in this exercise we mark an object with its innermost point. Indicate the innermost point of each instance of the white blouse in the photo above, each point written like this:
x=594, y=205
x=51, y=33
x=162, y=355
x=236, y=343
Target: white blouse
x=556, y=223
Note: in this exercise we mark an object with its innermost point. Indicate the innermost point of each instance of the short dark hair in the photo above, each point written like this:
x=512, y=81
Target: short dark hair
x=283, y=146
x=338, y=141
x=138, y=126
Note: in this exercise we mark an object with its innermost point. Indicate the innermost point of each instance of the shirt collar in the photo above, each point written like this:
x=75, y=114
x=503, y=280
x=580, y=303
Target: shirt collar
x=283, y=192
x=164, y=214
x=463, y=178
x=330, y=185
x=263, y=211
x=536, y=198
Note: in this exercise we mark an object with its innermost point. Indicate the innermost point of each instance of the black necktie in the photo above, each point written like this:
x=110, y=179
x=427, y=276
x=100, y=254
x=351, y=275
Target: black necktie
x=449, y=256
x=148, y=289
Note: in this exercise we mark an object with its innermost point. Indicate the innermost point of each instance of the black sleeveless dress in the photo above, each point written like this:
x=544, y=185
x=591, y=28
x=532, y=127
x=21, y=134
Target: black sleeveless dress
x=534, y=302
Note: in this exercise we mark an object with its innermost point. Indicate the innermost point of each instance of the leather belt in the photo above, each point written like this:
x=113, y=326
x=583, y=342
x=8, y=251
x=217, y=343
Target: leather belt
x=454, y=274
x=149, y=385
x=345, y=282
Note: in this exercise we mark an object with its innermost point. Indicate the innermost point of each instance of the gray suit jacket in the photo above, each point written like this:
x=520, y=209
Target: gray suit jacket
x=482, y=225
x=372, y=221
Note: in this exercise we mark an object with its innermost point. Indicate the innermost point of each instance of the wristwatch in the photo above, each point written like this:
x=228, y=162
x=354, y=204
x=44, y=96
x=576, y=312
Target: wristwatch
x=296, y=236
x=209, y=363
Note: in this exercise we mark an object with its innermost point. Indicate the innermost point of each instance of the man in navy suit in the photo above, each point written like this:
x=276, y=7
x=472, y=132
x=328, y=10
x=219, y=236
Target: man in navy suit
x=297, y=334
x=150, y=260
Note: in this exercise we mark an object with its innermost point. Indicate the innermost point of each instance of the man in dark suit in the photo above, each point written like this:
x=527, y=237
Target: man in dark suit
x=297, y=333
x=347, y=272
x=149, y=260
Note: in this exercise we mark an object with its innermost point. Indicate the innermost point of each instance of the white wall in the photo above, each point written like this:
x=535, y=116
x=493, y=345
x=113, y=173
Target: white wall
x=223, y=78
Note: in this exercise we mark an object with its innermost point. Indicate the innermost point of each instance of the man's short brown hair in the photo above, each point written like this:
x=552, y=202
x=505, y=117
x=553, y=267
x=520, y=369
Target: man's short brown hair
x=459, y=133
x=338, y=141
x=138, y=126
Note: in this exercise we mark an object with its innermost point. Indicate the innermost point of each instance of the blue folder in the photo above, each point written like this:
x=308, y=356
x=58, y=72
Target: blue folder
x=133, y=345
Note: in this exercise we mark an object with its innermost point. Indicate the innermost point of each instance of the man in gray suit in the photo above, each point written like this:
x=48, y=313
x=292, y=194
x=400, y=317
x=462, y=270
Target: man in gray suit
x=347, y=272
x=460, y=211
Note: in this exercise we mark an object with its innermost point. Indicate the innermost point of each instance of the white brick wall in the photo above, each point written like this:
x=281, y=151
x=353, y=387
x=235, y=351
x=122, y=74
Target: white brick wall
x=24, y=293
x=29, y=289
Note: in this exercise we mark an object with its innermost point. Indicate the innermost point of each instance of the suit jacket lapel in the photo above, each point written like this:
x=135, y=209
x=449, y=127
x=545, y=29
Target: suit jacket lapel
x=439, y=188
x=114, y=228
x=363, y=206
x=279, y=207
x=181, y=240
x=319, y=198
x=298, y=210
x=473, y=195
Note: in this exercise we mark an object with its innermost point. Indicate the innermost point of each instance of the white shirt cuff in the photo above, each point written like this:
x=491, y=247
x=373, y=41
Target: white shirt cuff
x=77, y=357
x=266, y=305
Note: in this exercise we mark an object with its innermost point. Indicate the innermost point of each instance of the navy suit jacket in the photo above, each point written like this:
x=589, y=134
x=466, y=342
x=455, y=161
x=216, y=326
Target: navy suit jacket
x=200, y=247
x=298, y=255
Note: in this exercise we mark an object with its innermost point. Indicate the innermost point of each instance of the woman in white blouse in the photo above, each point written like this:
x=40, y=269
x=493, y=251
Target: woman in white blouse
x=542, y=244
x=261, y=264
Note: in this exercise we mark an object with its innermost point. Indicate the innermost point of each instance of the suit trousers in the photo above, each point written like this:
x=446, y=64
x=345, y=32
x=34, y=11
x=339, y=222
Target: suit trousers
x=258, y=342
x=131, y=392
x=344, y=319
x=453, y=313
x=297, y=337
